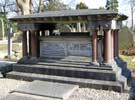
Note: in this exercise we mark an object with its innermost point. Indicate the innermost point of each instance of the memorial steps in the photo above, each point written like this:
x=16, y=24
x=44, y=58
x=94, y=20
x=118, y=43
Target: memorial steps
x=67, y=71
x=64, y=71
x=97, y=84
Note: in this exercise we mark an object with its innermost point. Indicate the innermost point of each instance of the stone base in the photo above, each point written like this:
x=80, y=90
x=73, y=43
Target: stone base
x=124, y=70
x=123, y=74
x=132, y=91
x=94, y=63
x=73, y=72
x=108, y=64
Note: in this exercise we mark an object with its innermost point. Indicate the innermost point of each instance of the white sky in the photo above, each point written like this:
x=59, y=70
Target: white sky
x=89, y=3
x=124, y=7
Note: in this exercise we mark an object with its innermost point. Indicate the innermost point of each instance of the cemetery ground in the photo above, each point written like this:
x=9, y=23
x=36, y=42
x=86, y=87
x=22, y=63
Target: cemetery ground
x=7, y=85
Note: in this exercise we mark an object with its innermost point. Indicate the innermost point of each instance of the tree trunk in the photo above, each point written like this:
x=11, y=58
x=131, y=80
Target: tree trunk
x=41, y=4
x=25, y=6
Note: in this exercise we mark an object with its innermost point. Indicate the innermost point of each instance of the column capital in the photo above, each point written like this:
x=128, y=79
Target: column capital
x=106, y=30
x=32, y=31
x=25, y=27
x=93, y=30
x=105, y=24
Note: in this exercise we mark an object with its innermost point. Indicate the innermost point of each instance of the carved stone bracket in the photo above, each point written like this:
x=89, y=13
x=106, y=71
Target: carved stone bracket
x=105, y=24
x=26, y=27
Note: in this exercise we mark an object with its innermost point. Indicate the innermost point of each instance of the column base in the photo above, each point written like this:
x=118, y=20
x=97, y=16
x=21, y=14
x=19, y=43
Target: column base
x=94, y=63
x=108, y=64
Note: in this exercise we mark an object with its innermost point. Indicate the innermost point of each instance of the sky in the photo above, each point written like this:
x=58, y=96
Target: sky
x=124, y=7
x=89, y=3
x=98, y=3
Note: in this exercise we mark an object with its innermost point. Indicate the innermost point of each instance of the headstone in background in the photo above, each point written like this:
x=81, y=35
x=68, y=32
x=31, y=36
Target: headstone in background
x=10, y=35
x=2, y=31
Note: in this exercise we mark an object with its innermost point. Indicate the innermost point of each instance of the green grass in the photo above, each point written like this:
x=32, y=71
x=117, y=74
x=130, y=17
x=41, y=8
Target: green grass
x=128, y=59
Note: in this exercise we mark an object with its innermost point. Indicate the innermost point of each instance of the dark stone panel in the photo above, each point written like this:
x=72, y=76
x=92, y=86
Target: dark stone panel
x=75, y=34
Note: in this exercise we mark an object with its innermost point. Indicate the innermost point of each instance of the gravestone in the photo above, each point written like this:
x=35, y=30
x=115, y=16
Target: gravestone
x=49, y=90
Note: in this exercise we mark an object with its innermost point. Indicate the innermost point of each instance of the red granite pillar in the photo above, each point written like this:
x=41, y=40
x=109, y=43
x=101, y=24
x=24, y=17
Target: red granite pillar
x=112, y=40
x=94, y=46
x=116, y=43
x=33, y=44
x=24, y=43
x=38, y=43
x=108, y=47
x=29, y=44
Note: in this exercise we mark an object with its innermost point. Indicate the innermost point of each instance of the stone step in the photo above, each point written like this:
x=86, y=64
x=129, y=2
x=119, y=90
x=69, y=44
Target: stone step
x=91, y=83
x=71, y=63
x=62, y=61
x=74, y=65
x=67, y=71
x=75, y=59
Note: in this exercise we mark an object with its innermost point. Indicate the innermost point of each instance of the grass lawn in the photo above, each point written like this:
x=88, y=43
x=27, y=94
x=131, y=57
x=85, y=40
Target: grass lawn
x=128, y=59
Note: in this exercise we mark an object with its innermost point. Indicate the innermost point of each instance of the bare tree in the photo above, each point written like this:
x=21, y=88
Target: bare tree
x=41, y=6
x=7, y=6
x=25, y=6
x=55, y=5
x=132, y=4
